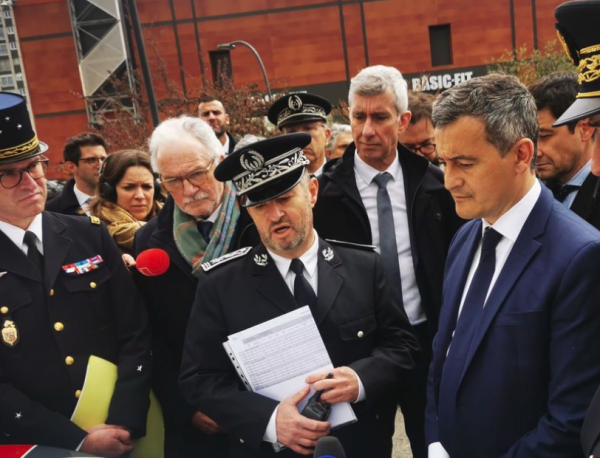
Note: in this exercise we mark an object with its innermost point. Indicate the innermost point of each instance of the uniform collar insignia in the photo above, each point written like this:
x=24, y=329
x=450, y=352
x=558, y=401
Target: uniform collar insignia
x=2, y=274
x=261, y=259
x=328, y=254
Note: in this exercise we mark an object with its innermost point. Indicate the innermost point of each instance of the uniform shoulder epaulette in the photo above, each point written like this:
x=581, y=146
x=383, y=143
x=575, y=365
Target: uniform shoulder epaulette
x=95, y=220
x=359, y=246
x=206, y=266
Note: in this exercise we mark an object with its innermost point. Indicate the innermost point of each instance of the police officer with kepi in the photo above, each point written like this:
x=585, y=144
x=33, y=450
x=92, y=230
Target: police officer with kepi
x=65, y=295
x=364, y=328
x=304, y=112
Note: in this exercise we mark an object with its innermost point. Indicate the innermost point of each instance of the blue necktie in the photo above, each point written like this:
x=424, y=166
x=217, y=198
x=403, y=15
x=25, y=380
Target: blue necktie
x=470, y=315
x=204, y=228
x=387, y=235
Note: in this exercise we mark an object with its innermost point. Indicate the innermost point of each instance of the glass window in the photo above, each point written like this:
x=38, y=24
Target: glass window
x=3, y=49
x=441, y=44
x=7, y=81
x=13, y=45
x=7, y=14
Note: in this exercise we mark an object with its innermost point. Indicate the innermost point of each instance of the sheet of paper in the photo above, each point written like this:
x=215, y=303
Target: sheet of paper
x=276, y=357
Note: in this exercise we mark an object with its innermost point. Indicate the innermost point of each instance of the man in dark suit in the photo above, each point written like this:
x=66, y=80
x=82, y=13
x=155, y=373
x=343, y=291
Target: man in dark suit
x=66, y=295
x=578, y=27
x=366, y=333
x=423, y=221
x=83, y=155
x=213, y=112
x=564, y=153
x=516, y=360
x=185, y=152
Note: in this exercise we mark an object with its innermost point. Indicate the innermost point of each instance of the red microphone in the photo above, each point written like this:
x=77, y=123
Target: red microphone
x=153, y=262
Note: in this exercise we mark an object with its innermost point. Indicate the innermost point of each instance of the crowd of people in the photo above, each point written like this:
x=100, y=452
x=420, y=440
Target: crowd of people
x=447, y=247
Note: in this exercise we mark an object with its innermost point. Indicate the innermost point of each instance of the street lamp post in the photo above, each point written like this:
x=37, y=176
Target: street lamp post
x=231, y=45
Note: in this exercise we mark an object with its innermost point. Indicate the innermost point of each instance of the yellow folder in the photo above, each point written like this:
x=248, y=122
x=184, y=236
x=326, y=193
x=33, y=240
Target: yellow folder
x=92, y=408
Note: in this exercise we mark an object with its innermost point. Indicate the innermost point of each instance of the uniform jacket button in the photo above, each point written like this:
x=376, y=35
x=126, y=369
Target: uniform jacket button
x=52, y=292
x=58, y=326
x=360, y=334
x=93, y=285
x=77, y=394
x=241, y=441
x=4, y=310
x=69, y=360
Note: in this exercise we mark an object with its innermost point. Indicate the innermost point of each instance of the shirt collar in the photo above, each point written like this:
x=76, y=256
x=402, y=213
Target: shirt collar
x=511, y=223
x=82, y=197
x=16, y=234
x=581, y=176
x=226, y=144
x=309, y=259
x=367, y=173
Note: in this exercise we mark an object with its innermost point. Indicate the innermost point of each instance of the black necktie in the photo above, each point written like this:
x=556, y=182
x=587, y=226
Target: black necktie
x=32, y=251
x=303, y=292
x=204, y=228
x=561, y=192
x=387, y=234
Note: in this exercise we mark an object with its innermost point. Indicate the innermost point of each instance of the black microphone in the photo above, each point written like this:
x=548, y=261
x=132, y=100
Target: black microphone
x=329, y=447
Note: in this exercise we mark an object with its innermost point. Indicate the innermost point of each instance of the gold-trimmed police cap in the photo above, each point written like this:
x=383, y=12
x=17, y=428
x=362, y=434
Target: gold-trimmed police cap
x=579, y=32
x=18, y=141
x=266, y=169
x=298, y=107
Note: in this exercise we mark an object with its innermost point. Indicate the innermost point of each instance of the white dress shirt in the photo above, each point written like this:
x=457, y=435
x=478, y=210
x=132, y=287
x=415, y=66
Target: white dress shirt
x=509, y=226
x=226, y=145
x=367, y=188
x=17, y=235
x=310, y=260
x=82, y=198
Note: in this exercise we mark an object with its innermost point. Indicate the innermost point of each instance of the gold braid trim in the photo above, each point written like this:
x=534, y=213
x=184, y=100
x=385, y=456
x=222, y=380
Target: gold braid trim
x=20, y=149
x=590, y=49
x=565, y=46
x=588, y=94
x=589, y=69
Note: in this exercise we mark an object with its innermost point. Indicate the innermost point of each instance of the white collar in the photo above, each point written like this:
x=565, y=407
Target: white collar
x=16, y=234
x=511, y=223
x=82, y=197
x=226, y=144
x=309, y=259
x=367, y=173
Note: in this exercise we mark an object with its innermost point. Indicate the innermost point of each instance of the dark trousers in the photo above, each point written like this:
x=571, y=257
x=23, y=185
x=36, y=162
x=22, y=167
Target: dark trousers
x=413, y=393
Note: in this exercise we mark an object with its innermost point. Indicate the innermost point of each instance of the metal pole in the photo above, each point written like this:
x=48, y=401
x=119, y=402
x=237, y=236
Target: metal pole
x=139, y=39
x=260, y=62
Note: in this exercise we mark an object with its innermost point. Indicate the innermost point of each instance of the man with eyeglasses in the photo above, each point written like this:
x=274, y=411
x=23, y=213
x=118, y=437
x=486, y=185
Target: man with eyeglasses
x=419, y=136
x=303, y=112
x=381, y=193
x=200, y=221
x=65, y=296
x=83, y=155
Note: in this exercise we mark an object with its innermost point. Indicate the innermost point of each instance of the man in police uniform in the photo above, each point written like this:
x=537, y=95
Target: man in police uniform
x=365, y=331
x=64, y=295
x=304, y=112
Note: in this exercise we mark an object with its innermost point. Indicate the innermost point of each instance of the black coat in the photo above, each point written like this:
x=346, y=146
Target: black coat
x=169, y=298
x=590, y=433
x=61, y=316
x=340, y=215
x=352, y=297
x=587, y=201
x=232, y=143
x=66, y=202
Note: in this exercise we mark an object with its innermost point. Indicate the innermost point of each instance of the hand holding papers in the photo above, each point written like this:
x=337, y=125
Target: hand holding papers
x=274, y=359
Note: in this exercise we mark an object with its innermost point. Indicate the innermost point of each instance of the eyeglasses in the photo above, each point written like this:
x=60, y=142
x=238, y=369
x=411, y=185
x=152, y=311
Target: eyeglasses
x=12, y=177
x=92, y=160
x=196, y=178
x=429, y=148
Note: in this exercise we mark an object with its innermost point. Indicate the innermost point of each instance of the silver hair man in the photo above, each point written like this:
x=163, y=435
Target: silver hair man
x=377, y=80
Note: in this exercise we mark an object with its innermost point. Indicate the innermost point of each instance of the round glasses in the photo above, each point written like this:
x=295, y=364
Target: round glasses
x=11, y=178
x=196, y=178
x=93, y=161
x=429, y=148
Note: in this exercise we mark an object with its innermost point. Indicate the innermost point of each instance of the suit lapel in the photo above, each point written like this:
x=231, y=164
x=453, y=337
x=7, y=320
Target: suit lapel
x=583, y=203
x=526, y=246
x=330, y=281
x=271, y=284
x=13, y=260
x=56, y=247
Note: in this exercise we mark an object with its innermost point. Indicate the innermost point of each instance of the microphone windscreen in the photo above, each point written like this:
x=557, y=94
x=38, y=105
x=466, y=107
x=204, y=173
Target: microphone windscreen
x=329, y=447
x=153, y=262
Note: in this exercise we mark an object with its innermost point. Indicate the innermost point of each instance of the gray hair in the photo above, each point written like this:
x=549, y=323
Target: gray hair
x=246, y=140
x=378, y=79
x=336, y=129
x=505, y=106
x=173, y=128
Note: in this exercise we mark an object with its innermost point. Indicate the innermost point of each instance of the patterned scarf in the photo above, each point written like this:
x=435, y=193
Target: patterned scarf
x=189, y=241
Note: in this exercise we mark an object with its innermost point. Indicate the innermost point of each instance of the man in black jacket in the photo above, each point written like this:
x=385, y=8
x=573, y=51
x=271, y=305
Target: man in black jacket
x=200, y=221
x=352, y=208
x=83, y=155
x=214, y=113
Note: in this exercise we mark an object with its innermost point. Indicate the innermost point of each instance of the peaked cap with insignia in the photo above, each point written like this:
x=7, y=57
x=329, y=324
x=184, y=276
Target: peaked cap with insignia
x=298, y=107
x=18, y=141
x=266, y=169
x=579, y=31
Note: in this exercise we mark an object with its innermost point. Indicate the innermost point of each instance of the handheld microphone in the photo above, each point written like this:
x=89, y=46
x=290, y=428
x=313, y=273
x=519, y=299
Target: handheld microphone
x=153, y=262
x=329, y=447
